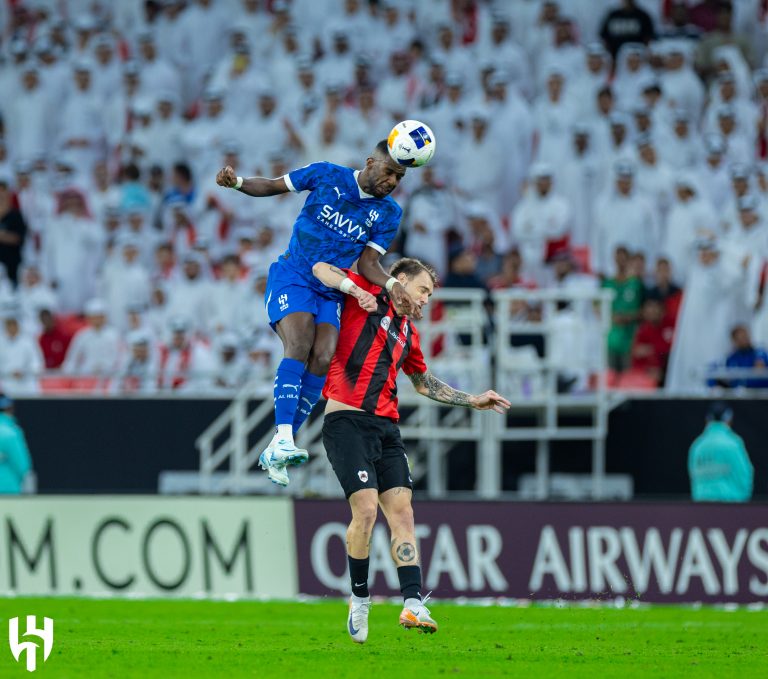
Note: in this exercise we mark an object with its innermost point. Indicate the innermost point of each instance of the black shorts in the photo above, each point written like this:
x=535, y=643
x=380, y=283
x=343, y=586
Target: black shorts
x=365, y=451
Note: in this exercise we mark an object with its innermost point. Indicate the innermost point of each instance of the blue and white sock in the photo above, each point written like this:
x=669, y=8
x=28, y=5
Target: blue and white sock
x=311, y=389
x=287, y=390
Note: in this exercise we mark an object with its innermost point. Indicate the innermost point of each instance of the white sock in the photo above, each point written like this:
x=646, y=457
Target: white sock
x=360, y=599
x=284, y=432
x=413, y=603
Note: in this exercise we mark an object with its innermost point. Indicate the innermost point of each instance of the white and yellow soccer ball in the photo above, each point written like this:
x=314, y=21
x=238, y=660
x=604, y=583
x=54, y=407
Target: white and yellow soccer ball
x=411, y=143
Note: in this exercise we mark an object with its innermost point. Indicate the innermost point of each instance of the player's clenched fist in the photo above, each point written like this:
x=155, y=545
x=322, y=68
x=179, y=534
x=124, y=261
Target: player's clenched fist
x=226, y=177
x=364, y=298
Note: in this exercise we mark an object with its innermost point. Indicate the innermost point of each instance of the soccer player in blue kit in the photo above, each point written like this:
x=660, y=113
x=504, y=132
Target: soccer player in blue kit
x=348, y=216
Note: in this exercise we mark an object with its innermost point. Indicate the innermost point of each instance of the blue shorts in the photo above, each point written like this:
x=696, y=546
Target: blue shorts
x=288, y=293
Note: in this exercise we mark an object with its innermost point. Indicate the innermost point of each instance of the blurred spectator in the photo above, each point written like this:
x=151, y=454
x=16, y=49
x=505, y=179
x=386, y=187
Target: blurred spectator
x=189, y=296
x=29, y=118
x=718, y=462
x=716, y=18
x=72, y=251
x=581, y=180
x=689, y=220
x=746, y=355
x=182, y=185
x=624, y=218
x=138, y=373
x=565, y=274
x=228, y=370
x=33, y=295
x=625, y=310
x=484, y=162
x=553, y=114
x=486, y=239
x=714, y=172
x=679, y=24
x=655, y=178
x=13, y=230
x=95, y=349
x=15, y=462
x=511, y=275
x=227, y=294
x=541, y=221
x=665, y=290
x=462, y=271
x=632, y=71
x=653, y=341
x=682, y=87
x=628, y=23
x=574, y=337
x=81, y=133
x=20, y=359
x=54, y=340
x=428, y=216
x=125, y=281
x=250, y=314
x=725, y=96
x=184, y=363
x=713, y=290
x=682, y=147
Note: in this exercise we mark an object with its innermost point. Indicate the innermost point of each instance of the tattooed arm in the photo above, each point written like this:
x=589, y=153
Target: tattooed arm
x=428, y=385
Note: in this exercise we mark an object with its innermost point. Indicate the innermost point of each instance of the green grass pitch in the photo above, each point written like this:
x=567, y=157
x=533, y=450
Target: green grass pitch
x=125, y=639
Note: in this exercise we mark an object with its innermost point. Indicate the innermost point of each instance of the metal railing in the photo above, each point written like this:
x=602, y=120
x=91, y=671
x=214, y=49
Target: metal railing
x=472, y=351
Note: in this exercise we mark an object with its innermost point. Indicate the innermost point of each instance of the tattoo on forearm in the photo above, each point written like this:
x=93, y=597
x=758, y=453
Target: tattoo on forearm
x=336, y=269
x=406, y=552
x=438, y=390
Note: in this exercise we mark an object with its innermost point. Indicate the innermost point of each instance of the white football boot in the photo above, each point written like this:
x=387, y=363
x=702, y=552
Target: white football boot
x=416, y=615
x=276, y=458
x=285, y=452
x=357, y=620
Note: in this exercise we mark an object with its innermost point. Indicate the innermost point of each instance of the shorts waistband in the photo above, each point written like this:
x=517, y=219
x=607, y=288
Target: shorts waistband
x=360, y=414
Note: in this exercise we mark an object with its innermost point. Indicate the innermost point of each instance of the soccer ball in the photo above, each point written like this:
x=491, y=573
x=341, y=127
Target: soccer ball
x=411, y=143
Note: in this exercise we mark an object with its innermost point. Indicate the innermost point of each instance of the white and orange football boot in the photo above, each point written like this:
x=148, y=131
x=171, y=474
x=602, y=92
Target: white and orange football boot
x=416, y=616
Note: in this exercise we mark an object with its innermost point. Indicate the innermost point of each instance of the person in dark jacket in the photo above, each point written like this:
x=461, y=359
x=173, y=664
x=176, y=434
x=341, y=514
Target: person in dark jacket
x=628, y=23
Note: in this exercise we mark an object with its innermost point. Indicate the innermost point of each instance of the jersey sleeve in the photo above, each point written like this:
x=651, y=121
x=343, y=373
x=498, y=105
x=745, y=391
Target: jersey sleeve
x=306, y=178
x=414, y=363
x=362, y=282
x=384, y=232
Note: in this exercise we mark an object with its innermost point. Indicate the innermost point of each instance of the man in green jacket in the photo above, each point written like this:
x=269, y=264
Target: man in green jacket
x=718, y=463
x=15, y=462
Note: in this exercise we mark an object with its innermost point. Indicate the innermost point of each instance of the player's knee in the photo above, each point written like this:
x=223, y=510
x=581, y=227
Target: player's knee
x=402, y=520
x=320, y=361
x=298, y=348
x=365, y=515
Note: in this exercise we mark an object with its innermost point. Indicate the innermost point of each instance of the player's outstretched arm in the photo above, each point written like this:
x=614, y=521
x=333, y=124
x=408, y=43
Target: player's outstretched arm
x=428, y=385
x=334, y=277
x=369, y=266
x=258, y=187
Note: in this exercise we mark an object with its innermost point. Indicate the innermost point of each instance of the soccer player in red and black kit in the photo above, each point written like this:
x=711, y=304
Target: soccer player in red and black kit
x=360, y=431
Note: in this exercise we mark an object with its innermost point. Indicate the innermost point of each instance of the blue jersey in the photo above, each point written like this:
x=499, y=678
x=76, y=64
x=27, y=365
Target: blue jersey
x=337, y=221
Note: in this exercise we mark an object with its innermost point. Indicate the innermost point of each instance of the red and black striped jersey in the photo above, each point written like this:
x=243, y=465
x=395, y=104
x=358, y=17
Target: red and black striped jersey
x=371, y=350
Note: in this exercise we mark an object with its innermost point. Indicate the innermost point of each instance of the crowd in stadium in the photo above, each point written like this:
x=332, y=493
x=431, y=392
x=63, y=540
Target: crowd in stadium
x=580, y=144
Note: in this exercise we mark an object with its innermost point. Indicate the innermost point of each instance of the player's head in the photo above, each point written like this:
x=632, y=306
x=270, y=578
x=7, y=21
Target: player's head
x=416, y=277
x=381, y=174
x=720, y=412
